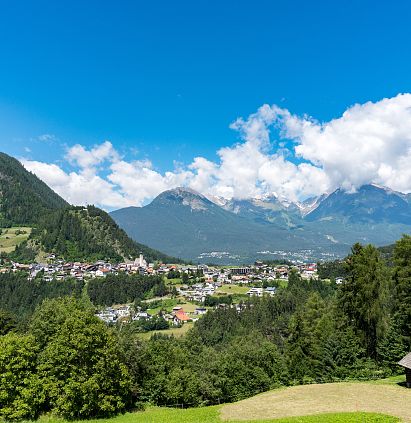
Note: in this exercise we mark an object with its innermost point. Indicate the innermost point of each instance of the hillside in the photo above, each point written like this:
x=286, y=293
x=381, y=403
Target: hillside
x=24, y=198
x=378, y=397
x=73, y=233
x=88, y=233
x=361, y=402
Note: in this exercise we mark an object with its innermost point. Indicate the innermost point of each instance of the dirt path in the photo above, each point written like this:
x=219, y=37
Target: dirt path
x=327, y=398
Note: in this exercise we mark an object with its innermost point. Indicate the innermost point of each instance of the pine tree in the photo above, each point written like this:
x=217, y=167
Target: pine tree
x=364, y=295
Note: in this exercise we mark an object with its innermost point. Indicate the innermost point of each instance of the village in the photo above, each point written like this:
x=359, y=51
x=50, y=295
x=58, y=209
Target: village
x=192, y=289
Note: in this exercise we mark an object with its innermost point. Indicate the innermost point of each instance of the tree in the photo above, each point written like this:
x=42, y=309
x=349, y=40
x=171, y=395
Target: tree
x=49, y=317
x=82, y=374
x=185, y=278
x=363, y=295
x=21, y=392
x=402, y=288
x=7, y=322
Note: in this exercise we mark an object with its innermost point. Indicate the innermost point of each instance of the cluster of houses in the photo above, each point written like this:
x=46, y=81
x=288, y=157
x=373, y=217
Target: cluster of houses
x=259, y=292
x=58, y=269
x=199, y=291
x=126, y=313
x=212, y=276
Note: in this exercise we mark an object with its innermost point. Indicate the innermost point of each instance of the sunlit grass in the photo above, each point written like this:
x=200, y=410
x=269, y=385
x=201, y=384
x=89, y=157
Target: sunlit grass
x=10, y=238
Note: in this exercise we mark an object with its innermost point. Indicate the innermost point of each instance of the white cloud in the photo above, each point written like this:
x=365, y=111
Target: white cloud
x=86, y=159
x=368, y=143
x=47, y=137
x=78, y=188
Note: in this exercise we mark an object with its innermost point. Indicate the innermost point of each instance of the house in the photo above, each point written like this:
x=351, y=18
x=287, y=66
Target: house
x=258, y=292
x=406, y=363
x=180, y=317
x=270, y=290
x=142, y=315
x=200, y=310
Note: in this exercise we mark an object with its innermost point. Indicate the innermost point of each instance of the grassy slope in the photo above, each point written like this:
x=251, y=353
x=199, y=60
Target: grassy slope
x=9, y=240
x=374, y=402
x=387, y=398
x=211, y=415
x=177, y=332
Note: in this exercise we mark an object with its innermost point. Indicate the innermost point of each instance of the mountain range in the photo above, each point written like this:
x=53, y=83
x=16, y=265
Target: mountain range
x=187, y=224
x=184, y=223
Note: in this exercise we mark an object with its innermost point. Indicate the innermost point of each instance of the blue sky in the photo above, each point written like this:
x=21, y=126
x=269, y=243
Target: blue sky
x=164, y=80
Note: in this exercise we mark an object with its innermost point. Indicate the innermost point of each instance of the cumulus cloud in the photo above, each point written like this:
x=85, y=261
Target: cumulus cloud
x=77, y=187
x=278, y=152
x=88, y=159
x=368, y=143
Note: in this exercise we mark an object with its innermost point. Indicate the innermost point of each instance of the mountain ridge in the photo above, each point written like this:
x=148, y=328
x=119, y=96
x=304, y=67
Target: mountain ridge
x=200, y=227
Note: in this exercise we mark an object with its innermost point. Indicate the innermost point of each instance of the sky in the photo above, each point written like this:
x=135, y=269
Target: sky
x=111, y=103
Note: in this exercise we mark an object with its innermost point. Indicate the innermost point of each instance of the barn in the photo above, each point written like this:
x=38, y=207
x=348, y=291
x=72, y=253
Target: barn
x=406, y=363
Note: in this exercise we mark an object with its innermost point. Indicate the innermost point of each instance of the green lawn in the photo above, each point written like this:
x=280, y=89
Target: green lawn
x=173, y=281
x=177, y=332
x=359, y=402
x=10, y=238
x=168, y=304
x=233, y=289
x=211, y=415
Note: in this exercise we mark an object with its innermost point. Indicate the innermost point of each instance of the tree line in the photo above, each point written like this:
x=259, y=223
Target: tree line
x=19, y=296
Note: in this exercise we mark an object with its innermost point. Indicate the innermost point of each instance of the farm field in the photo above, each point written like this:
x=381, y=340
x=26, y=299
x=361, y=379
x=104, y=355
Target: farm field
x=10, y=238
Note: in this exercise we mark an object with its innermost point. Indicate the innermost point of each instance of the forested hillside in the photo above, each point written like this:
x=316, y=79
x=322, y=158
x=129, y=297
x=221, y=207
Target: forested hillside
x=73, y=233
x=24, y=198
x=88, y=233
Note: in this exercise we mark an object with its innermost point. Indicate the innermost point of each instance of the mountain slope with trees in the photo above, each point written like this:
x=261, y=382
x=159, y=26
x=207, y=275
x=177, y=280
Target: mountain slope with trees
x=24, y=198
x=73, y=233
x=87, y=233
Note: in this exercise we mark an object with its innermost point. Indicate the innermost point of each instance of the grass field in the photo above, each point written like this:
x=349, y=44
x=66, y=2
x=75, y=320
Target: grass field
x=10, y=238
x=358, y=402
x=173, y=281
x=212, y=415
x=233, y=289
x=169, y=303
x=384, y=397
x=166, y=304
x=177, y=332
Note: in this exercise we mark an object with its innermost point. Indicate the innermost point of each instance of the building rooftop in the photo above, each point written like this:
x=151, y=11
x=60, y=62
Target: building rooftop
x=406, y=361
